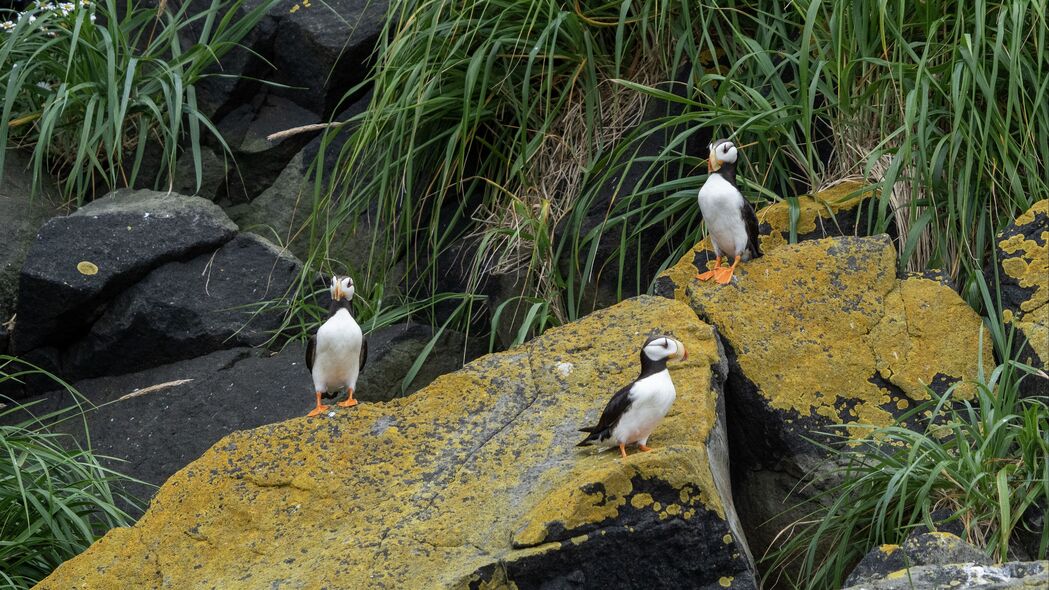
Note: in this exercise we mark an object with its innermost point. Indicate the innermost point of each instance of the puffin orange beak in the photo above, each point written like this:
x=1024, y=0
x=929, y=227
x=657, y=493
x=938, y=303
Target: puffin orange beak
x=712, y=161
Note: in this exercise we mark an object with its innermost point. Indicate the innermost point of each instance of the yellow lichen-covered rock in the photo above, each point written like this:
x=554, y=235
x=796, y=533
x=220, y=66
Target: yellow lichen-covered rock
x=475, y=481
x=819, y=333
x=831, y=212
x=1023, y=274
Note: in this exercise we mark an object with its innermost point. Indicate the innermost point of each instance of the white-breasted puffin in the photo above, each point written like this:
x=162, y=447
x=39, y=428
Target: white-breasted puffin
x=336, y=355
x=731, y=222
x=635, y=411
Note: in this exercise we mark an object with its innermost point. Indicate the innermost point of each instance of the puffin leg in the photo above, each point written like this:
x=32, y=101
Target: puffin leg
x=706, y=276
x=643, y=447
x=319, y=409
x=725, y=275
x=622, y=450
x=349, y=402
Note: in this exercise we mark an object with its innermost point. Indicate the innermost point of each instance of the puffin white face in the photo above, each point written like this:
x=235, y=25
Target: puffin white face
x=665, y=347
x=341, y=288
x=722, y=152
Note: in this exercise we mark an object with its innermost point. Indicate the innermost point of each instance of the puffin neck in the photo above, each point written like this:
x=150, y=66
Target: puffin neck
x=650, y=367
x=340, y=304
x=728, y=172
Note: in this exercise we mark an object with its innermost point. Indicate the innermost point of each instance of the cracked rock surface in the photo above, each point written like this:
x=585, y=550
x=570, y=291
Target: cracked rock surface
x=818, y=333
x=474, y=481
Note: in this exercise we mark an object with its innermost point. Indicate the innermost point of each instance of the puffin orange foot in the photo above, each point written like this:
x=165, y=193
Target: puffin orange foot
x=724, y=275
x=622, y=450
x=706, y=276
x=349, y=402
x=318, y=410
x=643, y=447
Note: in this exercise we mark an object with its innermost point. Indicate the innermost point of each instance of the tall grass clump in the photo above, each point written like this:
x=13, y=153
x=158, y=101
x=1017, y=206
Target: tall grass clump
x=497, y=130
x=56, y=498
x=89, y=86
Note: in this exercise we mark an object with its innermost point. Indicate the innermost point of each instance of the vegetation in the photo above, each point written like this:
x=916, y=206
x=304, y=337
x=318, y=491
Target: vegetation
x=90, y=86
x=55, y=497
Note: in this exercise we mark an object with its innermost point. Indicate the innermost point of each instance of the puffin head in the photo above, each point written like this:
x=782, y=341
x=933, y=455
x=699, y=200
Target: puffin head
x=658, y=348
x=341, y=288
x=722, y=152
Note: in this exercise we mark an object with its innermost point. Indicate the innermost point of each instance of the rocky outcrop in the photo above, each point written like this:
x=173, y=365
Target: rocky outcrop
x=475, y=481
x=964, y=576
x=927, y=548
x=21, y=215
x=821, y=333
x=185, y=309
x=1023, y=274
x=80, y=260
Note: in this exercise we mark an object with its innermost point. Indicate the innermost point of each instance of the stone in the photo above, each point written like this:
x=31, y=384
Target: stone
x=393, y=350
x=79, y=261
x=214, y=168
x=821, y=333
x=474, y=481
x=927, y=548
x=322, y=49
x=21, y=215
x=281, y=211
x=258, y=160
x=964, y=576
x=150, y=424
x=187, y=309
x=1023, y=275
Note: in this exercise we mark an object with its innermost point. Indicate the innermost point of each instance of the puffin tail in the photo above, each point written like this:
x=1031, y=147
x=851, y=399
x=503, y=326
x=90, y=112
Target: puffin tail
x=591, y=438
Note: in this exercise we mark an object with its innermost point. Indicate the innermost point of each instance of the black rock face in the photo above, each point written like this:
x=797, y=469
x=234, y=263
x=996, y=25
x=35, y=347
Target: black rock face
x=80, y=260
x=154, y=422
x=187, y=309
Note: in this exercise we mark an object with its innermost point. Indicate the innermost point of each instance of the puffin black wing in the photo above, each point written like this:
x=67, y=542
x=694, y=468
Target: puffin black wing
x=751, y=221
x=364, y=354
x=615, y=409
x=311, y=349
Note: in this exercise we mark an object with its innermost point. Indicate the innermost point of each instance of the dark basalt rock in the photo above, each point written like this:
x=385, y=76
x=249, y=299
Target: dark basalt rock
x=121, y=238
x=1023, y=275
x=186, y=309
x=258, y=160
x=152, y=423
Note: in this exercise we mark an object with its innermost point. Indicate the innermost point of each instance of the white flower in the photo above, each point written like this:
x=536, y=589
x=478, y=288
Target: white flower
x=7, y=26
x=67, y=6
x=32, y=18
x=44, y=85
x=92, y=18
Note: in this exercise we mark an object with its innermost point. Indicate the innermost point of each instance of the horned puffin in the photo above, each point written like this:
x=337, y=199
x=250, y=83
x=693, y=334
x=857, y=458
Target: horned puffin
x=731, y=222
x=635, y=411
x=336, y=355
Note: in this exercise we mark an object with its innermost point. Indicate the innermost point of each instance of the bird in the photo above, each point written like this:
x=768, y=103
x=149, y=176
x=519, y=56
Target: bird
x=731, y=222
x=335, y=356
x=636, y=410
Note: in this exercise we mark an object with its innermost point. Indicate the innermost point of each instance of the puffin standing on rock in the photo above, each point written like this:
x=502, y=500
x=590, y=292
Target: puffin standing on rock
x=635, y=411
x=730, y=219
x=336, y=355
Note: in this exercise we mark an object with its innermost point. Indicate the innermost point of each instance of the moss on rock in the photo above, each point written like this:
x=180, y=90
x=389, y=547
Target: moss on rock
x=820, y=333
x=1023, y=273
x=472, y=482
